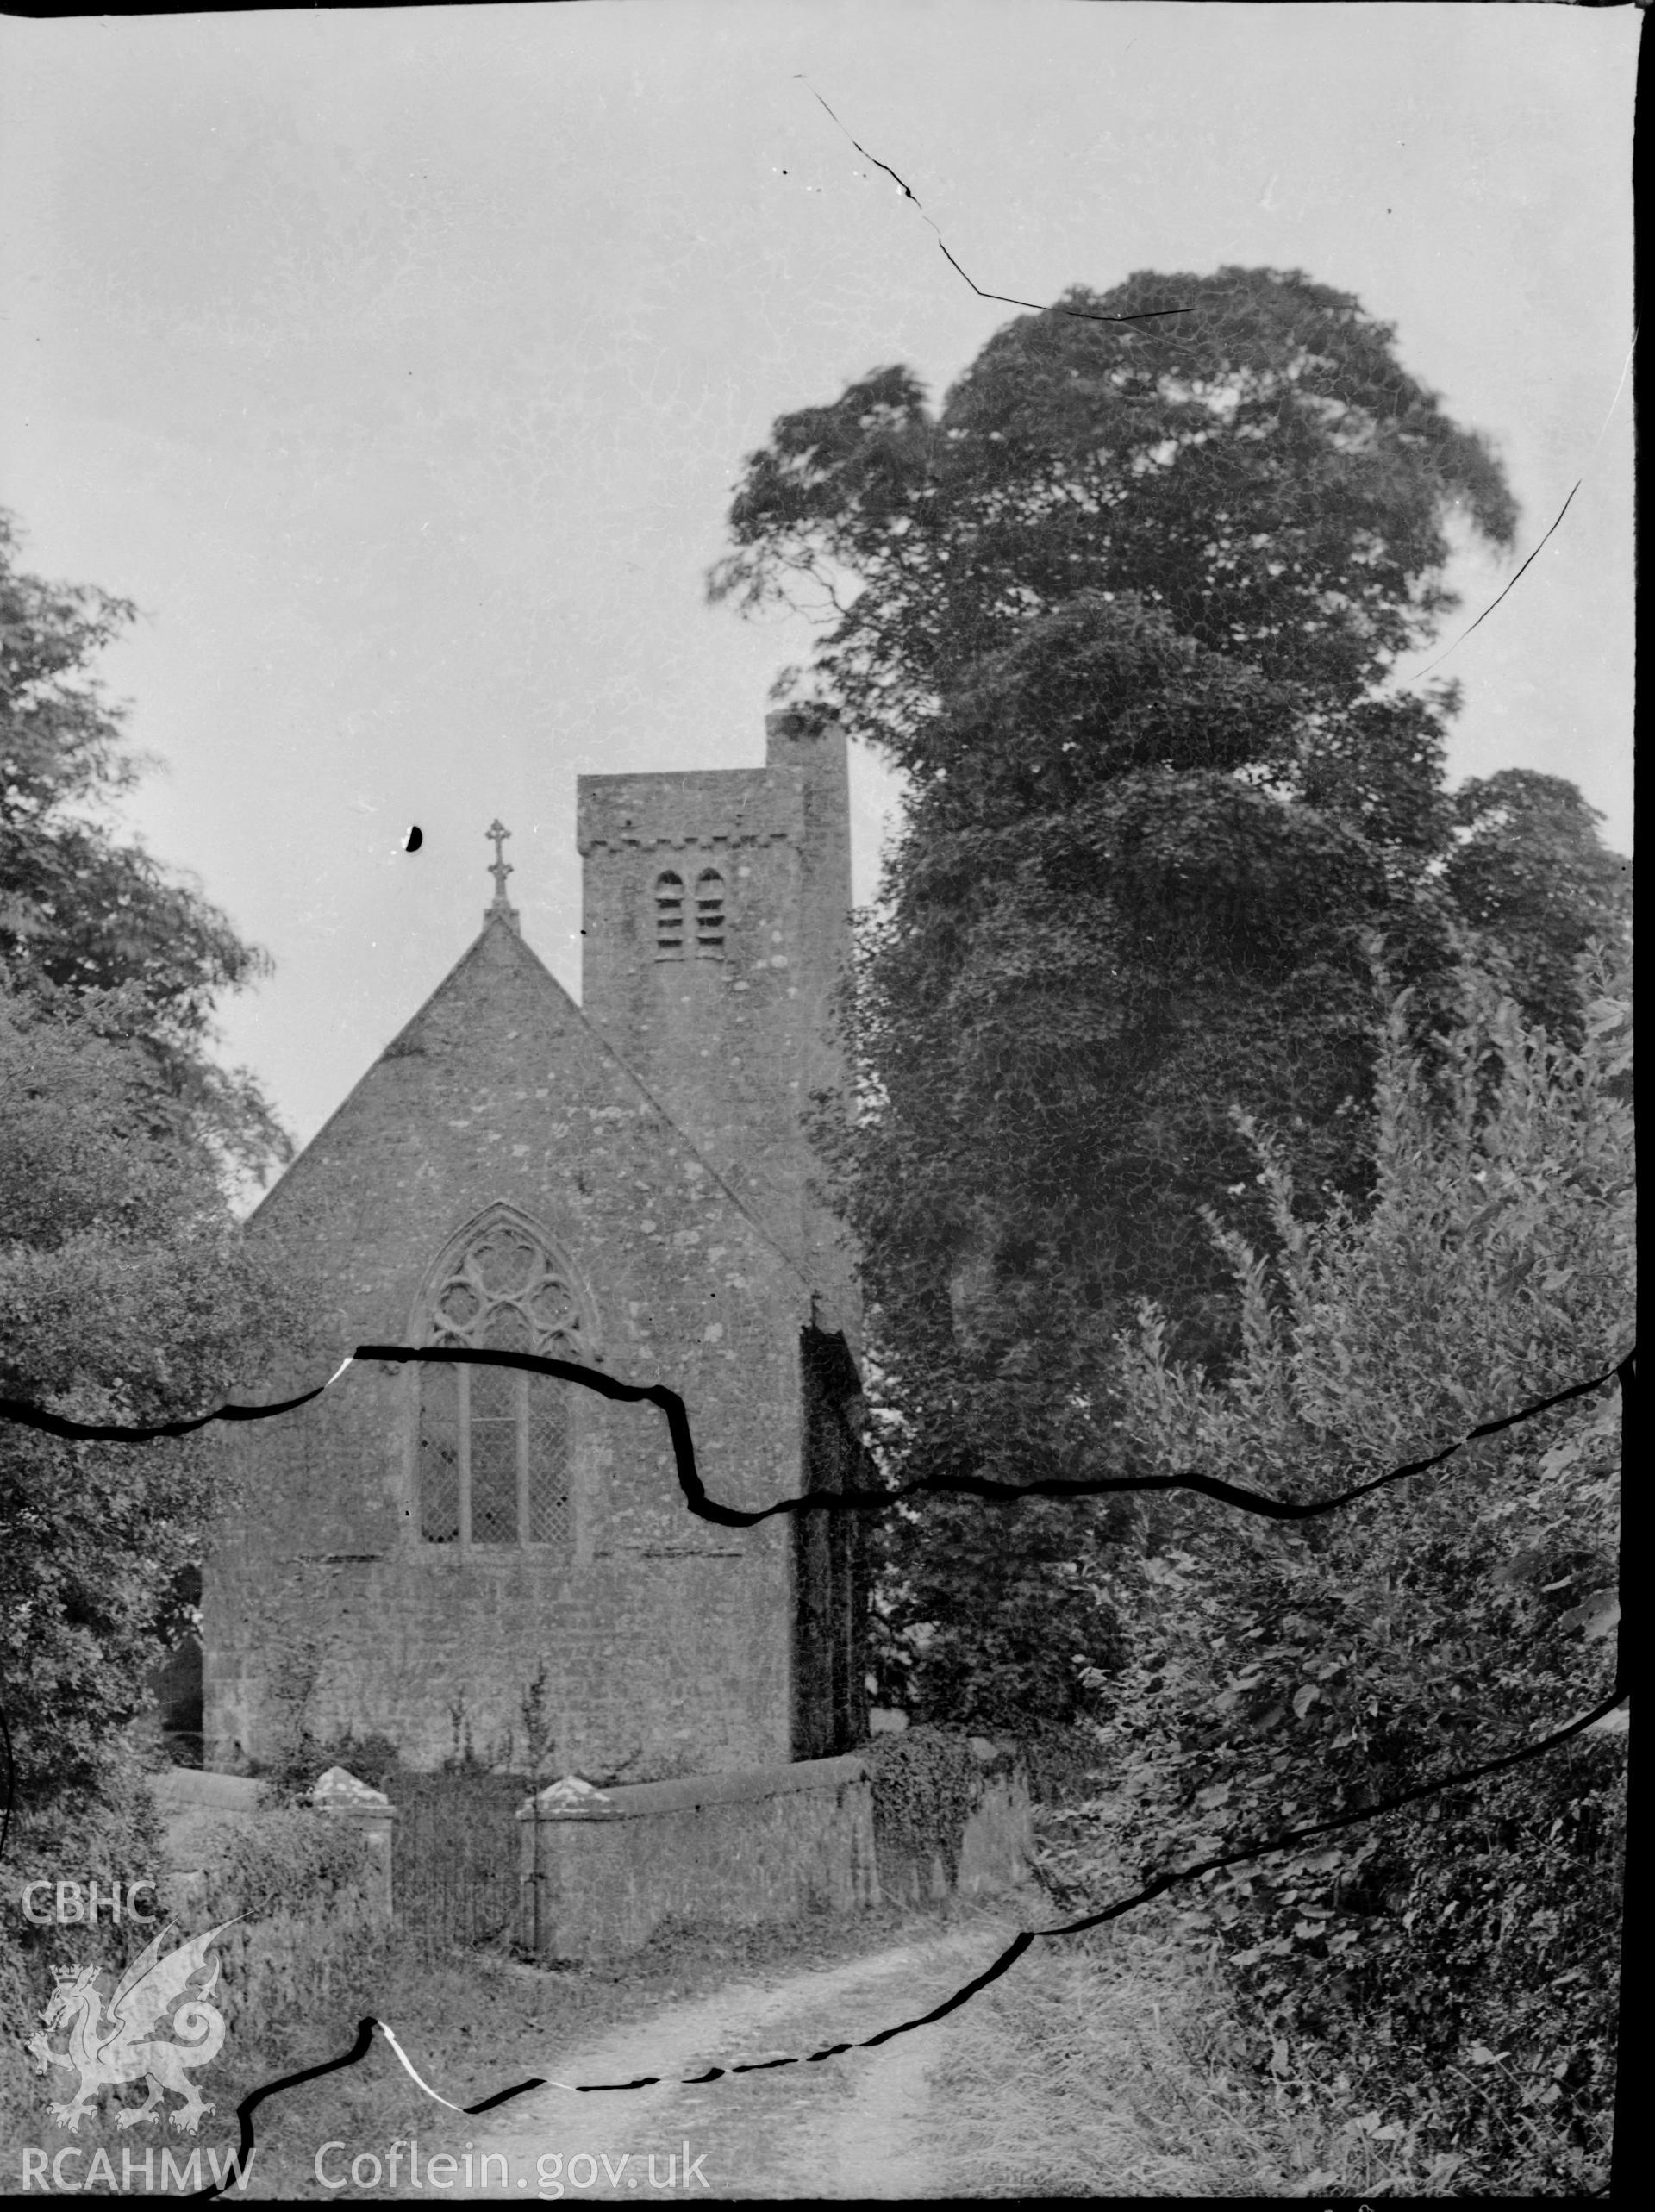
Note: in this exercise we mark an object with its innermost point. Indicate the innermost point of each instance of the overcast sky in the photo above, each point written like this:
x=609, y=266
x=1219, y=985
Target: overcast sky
x=398, y=365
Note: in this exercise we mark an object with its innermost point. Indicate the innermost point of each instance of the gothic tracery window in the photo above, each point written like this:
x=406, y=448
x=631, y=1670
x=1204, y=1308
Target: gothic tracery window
x=494, y=1444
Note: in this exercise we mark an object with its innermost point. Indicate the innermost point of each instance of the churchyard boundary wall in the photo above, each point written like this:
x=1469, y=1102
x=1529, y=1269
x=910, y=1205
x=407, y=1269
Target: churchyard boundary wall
x=602, y=1869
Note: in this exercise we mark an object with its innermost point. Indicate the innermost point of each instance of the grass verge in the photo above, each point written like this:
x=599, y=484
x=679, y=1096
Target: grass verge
x=1099, y=2067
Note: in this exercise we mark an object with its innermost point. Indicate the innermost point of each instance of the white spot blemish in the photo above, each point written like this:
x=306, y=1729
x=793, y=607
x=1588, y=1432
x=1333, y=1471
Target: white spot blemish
x=519, y=1152
x=778, y=959
x=712, y=1333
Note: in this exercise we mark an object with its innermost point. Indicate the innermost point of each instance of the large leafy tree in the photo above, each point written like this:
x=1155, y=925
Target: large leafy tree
x=126, y=1295
x=1252, y=461
x=1123, y=608
x=83, y=909
x=124, y=1292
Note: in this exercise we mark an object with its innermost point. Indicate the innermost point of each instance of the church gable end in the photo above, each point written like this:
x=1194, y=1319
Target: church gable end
x=427, y=1540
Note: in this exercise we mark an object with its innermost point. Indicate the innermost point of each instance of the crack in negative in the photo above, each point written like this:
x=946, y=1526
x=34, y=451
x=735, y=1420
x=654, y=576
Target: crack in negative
x=986, y=1487
x=698, y=1502
x=1001, y=1965
x=1077, y=314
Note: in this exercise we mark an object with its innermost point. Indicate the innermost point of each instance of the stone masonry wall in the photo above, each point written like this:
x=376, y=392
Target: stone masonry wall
x=737, y=1849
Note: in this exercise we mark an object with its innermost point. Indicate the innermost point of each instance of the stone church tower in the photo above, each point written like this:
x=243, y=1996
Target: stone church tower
x=626, y=1183
x=715, y=929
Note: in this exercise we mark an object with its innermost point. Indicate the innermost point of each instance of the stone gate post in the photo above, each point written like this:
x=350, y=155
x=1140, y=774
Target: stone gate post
x=338, y=1792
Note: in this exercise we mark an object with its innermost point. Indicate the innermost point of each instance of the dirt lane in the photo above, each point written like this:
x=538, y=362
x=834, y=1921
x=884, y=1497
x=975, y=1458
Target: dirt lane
x=847, y=2126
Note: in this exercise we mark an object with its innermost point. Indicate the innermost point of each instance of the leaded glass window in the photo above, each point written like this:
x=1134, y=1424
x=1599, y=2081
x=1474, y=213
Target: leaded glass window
x=496, y=1445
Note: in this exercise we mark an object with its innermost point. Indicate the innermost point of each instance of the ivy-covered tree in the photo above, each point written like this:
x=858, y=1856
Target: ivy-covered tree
x=81, y=907
x=1123, y=608
x=1253, y=462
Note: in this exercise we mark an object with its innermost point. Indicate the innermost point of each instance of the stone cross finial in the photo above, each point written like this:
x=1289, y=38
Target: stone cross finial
x=500, y=868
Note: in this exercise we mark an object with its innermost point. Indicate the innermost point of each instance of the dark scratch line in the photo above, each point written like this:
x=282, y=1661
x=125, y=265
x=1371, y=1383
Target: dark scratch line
x=672, y=1405
x=1085, y=314
x=249, y=2104
x=11, y=1781
x=908, y=188
x=1493, y=602
x=1561, y=511
x=1077, y=314
x=986, y=1487
x=1289, y=1838
x=120, y=1432
x=1293, y=1837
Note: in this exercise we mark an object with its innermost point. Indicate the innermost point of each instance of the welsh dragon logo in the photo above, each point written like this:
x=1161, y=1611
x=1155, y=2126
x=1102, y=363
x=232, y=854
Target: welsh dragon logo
x=110, y=2041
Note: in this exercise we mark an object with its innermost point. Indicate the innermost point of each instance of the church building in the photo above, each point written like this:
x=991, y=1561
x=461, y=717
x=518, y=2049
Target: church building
x=626, y=1183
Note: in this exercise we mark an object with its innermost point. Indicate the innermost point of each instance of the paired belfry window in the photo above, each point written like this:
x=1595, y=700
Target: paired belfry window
x=495, y=1459
x=710, y=915
x=674, y=925
x=669, y=916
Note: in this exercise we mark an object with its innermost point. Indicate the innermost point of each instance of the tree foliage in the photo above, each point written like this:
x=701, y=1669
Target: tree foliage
x=125, y=1294
x=83, y=910
x=1446, y=1974
x=1259, y=469
x=1534, y=886
x=1123, y=608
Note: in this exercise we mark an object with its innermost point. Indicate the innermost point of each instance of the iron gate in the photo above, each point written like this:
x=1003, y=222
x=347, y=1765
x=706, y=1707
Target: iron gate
x=455, y=1865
